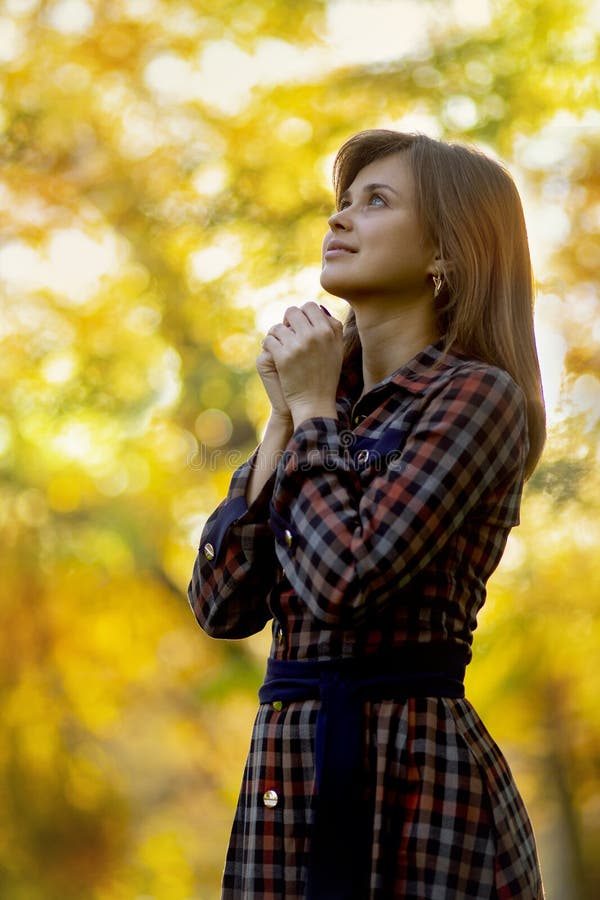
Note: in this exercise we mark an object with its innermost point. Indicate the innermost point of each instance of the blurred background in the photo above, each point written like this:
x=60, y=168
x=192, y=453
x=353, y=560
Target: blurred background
x=164, y=189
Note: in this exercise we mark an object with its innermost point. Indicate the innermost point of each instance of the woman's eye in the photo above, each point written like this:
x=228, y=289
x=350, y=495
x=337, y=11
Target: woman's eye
x=373, y=200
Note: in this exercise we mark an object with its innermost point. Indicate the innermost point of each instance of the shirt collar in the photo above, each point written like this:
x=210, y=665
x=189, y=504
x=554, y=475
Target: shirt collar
x=425, y=368
x=416, y=375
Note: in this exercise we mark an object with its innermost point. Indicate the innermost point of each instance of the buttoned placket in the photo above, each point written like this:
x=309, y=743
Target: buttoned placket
x=357, y=417
x=279, y=633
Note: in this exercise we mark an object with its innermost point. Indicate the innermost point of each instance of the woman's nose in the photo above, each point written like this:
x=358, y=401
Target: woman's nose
x=339, y=220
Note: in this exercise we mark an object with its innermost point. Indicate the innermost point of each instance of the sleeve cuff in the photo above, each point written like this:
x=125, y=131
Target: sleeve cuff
x=283, y=531
x=317, y=444
x=314, y=442
x=235, y=511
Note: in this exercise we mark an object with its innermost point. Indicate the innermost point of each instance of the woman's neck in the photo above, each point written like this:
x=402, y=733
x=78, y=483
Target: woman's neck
x=392, y=337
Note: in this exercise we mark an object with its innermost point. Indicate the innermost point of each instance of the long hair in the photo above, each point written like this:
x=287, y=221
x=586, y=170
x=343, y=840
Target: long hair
x=471, y=210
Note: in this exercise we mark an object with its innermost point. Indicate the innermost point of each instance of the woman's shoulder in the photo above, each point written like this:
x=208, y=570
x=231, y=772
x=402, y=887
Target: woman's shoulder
x=473, y=372
x=441, y=370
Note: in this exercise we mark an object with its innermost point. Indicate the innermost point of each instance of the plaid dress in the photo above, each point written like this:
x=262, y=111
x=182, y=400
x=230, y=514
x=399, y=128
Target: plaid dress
x=378, y=531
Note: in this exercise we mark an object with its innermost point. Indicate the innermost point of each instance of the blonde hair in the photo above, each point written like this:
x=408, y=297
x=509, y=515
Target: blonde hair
x=470, y=208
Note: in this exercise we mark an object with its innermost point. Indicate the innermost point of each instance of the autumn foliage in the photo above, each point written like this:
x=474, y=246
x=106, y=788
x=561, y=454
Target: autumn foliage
x=163, y=194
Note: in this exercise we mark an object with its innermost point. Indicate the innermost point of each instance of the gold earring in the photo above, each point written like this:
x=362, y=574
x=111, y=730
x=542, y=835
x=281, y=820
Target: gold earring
x=438, y=280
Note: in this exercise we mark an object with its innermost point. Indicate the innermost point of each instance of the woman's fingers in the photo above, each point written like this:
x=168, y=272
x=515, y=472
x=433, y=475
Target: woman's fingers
x=301, y=326
x=309, y=315
x=277, y=332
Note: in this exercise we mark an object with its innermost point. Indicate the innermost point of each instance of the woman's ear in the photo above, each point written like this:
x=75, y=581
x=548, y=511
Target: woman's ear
x=434, y=269
x=435, y=265
x=438, y=269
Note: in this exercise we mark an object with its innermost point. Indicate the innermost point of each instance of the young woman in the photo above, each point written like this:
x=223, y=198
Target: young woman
x=366, y=525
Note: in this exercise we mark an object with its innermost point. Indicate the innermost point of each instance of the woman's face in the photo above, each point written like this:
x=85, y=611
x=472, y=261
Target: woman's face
x=375, y=246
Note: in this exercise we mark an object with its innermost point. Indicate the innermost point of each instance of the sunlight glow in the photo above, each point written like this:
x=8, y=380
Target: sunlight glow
x=70, y=264
x=356, y=32
x=210, y=180
x=360, y=32
x=585, y=398
x=76, y=262
x=461, y=112
x=372, y=32
x=165, y=377
x=271, y=301
x=552, y=349
x=210, y=263
x=78, y=441
x=59, y=367
x=11, y=40
x=70, y=16
x=19, y=7
x=6, y=435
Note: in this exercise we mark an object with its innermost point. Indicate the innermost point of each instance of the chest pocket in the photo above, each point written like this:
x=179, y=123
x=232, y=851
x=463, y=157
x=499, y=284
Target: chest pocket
x=378, y=452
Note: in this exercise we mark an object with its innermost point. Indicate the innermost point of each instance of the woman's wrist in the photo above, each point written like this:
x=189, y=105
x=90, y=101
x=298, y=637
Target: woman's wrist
x=302, y=412
x=277, y=434
x=280, y=422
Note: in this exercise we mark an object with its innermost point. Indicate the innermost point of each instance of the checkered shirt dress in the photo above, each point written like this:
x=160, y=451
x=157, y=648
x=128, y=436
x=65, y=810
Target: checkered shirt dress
x=378, y=531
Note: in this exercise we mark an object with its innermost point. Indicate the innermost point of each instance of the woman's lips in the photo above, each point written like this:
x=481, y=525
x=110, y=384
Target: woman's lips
x=336, y=248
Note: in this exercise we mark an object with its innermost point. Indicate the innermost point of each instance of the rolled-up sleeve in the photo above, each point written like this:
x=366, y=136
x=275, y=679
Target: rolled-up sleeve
x=236, y=563
x=348, y=546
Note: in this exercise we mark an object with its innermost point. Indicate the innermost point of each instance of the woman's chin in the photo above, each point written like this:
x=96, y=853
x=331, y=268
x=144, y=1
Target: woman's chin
x=333, y=286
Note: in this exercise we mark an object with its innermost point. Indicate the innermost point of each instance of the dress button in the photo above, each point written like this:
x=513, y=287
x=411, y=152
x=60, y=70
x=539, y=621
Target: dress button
x=209, y=551
x=288, y=537
x=270, y=799
x=277, y=705
x=280, y=636
x=362, y=457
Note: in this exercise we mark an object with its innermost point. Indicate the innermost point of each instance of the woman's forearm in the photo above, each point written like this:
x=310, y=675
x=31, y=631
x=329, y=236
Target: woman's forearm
x=277, y=434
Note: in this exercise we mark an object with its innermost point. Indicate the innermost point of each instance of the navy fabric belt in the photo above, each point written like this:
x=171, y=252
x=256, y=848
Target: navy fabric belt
x=340, y=844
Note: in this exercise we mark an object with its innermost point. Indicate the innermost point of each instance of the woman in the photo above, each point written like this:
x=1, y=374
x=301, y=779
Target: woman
x=366, y=525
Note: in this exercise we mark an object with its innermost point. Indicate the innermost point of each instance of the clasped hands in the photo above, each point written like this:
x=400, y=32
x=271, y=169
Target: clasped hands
x=300, y=363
